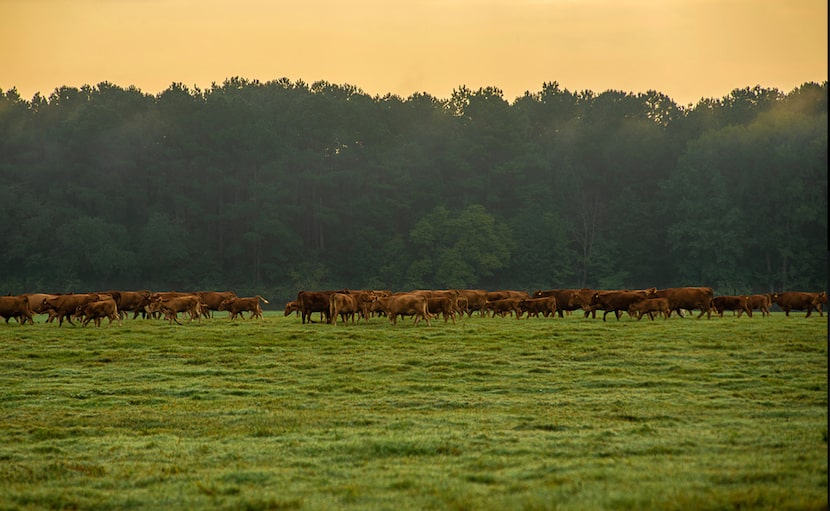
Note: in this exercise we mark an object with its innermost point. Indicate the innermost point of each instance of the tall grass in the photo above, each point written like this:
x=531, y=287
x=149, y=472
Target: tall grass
x=571, y=413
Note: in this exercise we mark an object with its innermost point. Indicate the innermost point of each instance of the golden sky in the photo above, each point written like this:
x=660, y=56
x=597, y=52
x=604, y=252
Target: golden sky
x=686, y=49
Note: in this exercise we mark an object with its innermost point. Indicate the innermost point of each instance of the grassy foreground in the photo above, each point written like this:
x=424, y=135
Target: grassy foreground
x=571, y=413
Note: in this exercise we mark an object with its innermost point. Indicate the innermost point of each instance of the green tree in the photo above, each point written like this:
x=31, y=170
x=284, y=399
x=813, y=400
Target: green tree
x=749, y=205
x=457, y=249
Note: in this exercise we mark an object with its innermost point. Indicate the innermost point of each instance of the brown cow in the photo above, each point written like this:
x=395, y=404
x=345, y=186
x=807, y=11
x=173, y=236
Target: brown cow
x=314, y=301
x=584, y=298
x=343, y=305
x=504, y=294
x=365, y=300
x=452, y=295
x=565, y=299
x=760, y=302
x=545, y=305
x=36, y=304
x=96, y=310
x=797, y=300
x=236, y=306
x=617, y=301
x=130, y=301
x=689, y=298
x=172, y=304
x=16, y=307
x=443, y=305
x=475, y=299
x=731, y=303
x=212, y=299
x=819, y=300
x=66, y=305
x=503, y=307
x=649, y=306
x=292, y=306
x=404, y=304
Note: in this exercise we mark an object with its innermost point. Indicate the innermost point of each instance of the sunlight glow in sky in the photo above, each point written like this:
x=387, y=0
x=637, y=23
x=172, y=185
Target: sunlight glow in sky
x=686, y=49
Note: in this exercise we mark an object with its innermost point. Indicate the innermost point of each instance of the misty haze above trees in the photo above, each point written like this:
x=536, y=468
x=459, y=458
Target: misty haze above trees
x=268, y=188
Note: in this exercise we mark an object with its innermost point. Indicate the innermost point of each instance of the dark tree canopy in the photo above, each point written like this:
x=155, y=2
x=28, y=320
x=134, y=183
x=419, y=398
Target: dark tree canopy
x=267, y=188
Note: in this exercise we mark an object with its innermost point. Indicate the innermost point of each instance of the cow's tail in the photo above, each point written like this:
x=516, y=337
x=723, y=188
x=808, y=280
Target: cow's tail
x=333, y=308
x=426, y=310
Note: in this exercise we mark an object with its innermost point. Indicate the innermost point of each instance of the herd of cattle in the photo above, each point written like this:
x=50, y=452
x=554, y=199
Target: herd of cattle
x=346, y=305
x=115, y=305
x=450, y=303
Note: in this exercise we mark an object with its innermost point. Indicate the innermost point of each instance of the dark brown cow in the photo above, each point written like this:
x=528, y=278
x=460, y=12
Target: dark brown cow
x=66, y=305
x=343, y=305
x=584, y=298
x=97, y=310
x=236, y=306
x=759, y=302
x=405, y=304
x=617, y=301
x=736, y=303
x=16, y=307
x=649, y=306
x=689, y=298
x=797, y=300
x=545, y=305
x=314, y=301
x=503, y=307
x=565, y=299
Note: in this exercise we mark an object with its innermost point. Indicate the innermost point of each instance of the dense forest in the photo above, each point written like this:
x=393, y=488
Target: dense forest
x=268, y=188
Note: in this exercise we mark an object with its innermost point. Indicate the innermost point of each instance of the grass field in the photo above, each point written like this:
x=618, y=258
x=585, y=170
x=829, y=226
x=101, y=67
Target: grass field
x=729, y=413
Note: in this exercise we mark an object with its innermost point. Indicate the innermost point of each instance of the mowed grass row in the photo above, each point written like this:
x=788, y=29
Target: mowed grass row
x=573, y=413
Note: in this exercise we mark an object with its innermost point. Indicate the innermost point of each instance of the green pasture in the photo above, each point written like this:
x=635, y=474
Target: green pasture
x=546, y=414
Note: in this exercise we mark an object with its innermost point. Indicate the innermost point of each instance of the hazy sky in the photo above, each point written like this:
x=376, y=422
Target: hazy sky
x=686, y=49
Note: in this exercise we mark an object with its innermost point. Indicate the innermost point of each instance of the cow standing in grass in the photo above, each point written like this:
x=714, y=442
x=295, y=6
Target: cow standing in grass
x=236, y=306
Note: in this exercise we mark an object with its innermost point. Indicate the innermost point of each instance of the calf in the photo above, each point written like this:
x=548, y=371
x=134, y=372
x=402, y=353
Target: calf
x=236, y=306
x=650, y=306
x=534, y=306
x=503, y=307
x=95, y=311
x=731, y=303
x=292, y=306
x=175, y=304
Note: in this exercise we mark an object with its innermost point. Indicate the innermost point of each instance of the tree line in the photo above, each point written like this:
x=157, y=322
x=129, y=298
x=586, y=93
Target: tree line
x=271, y=187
